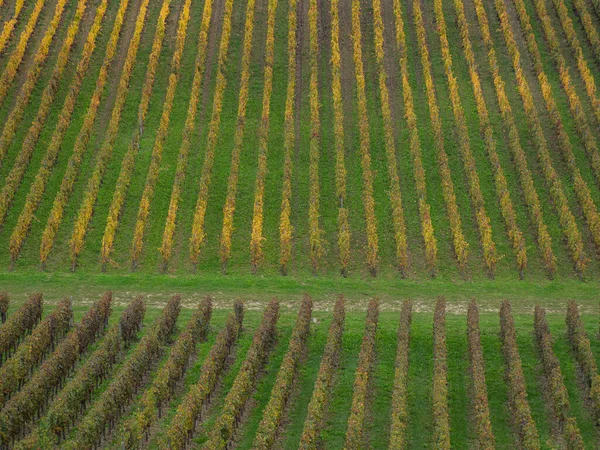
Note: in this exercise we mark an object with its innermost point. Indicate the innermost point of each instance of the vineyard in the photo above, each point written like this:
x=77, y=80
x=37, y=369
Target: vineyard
x=436, y=162
x=454, y=139
x=296, y=374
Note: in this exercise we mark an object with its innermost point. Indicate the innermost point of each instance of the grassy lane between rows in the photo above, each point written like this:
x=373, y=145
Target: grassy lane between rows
x=420, y=412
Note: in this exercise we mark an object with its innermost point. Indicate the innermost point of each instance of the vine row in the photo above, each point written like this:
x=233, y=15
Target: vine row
x=233, y=407
x=286, y=230
x=33, y=399
x=90, y=195
x=481, y=409
x=390, y=144
x=127, y=381
x=315, y=418
x=362, y=381
x=273, y=413
x=82, y=141
x=399, y=421
x=234, y=169
x=159, y=142
x=166, y=248
x=441, y=414
x=189, y=413
x=198, y=234
x=338, y=130
x=38, y=187
x=559, y=396
x=415, y=145
x=42, y=341
x=517, y=393
x=136, y=430
x=365, y=144
x=19, y=324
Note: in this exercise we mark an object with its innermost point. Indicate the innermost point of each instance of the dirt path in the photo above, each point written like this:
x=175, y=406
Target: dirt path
x=117, y=65
x=368, y=50
x=347, y=63
x=302, y=47
x=84, y=28
x=530, y=76
x=258, y=47
x=172, y=25
x=214, y=35
x=391, y=64
x=325, y=79
x=32, y=45
x=324, y=27
x=7, y=10
x=112, y=435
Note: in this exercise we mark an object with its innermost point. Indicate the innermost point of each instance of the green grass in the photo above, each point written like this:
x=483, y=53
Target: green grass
x=88, y=283
x=239, y=266
x=420, y=376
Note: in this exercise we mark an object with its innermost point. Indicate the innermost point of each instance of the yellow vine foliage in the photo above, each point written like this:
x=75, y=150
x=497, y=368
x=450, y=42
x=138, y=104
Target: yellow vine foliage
x=518, y=403
x=502, y=191
x=357, y=420
x=461, y=246
x=84, y=215
x=479, y=397
x=33, y=72
x=39, y=184
x=15, y=59
x=415, y=146
x=16, y=115
x=338, y=130
x=441, y=413
x=575, y=106
x=390, y=145
x=286, y=229
x=570, y=229
x=256, y=238
x=161, y=137
x=525, y=177
x=9, y=25
x=483, y=222
x=365, y=144
x=582, y=65
x=229, y=207
x=558, y=394
x=68, y=181
x=588, y=25
x=188, y=131
x=321, y=394
x=213, y=133
x=399, y=411
x=317, y=249
x=596, y=5
x=581, y=189
x=118, y=198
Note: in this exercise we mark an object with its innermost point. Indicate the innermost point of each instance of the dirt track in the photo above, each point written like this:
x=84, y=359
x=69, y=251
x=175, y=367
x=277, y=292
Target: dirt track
x=347, y=63
x=214, y=36
x=116, y=67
